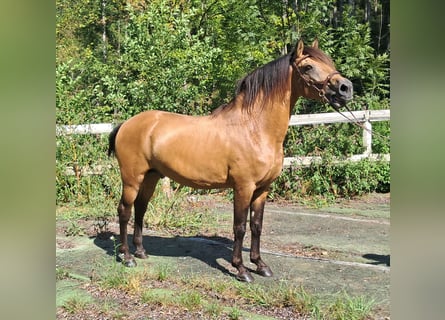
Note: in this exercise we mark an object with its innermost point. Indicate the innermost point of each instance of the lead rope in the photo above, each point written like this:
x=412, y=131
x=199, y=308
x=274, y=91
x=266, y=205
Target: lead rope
x=357, y=122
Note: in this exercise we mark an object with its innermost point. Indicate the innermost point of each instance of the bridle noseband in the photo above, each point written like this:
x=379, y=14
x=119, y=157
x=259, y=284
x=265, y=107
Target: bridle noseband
x=320, y=86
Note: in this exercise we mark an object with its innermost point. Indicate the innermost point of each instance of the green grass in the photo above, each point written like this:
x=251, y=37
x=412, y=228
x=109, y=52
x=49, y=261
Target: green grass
x=77, y=303
x=163, y=271
x=191, y=300
x=346, y=307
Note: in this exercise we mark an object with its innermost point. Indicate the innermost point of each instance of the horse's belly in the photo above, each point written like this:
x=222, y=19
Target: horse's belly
x=193, y=163
x=195, y=175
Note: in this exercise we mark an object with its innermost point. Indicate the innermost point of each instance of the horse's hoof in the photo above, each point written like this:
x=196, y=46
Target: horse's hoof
x=130, y=263
x=140, y=255
x=245, y=277
x=265, y=271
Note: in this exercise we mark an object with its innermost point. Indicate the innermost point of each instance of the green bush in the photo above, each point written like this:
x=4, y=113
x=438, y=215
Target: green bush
x=332, y=180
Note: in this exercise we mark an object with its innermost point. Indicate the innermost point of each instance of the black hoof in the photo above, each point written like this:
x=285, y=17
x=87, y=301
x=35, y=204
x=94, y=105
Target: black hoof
x=245, y=277
x=140, y=255
x=265, y=271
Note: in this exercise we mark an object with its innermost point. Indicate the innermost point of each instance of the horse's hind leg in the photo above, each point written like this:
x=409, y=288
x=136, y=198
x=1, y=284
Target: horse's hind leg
x=256, y=226
x=140, y=207
x=129, y=194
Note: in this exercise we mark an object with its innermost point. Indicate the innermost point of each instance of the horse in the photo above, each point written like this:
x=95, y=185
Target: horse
x=239, y=145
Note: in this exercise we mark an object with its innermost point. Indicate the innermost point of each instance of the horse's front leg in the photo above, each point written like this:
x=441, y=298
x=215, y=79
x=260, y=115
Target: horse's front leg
x=256, y=226
x=242, y=199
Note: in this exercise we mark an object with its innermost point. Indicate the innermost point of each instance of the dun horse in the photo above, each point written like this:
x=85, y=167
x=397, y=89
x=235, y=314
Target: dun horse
x=239, y=145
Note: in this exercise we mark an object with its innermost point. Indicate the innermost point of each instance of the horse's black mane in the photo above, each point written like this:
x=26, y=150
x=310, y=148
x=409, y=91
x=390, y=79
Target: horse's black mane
x=270, y=79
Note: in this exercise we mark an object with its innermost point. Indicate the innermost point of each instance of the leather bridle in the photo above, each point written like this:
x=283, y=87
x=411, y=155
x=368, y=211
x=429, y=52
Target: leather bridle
x=320, y=86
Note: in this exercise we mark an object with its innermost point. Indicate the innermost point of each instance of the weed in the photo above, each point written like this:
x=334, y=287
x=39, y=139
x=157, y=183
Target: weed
x=190, y=300
x=213, y=309
x=149, y=297
x=61, y=273
x=346, y=307
x=76, y=303
x=134, y=283
x=234, y=313
x=153, y=297
x=163, y=271
x=74, y=229
x=304, y=303
x=115, y=246
x=256, y=293
x=114, y=275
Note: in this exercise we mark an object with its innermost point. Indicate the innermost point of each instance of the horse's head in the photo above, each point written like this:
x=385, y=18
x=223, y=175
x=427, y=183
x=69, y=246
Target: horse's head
x=320, y=80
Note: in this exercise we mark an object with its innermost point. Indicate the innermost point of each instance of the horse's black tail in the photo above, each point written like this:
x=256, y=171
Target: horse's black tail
x=112, y=139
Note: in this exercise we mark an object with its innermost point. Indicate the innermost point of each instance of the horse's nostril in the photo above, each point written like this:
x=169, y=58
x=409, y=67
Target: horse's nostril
x=344, y=88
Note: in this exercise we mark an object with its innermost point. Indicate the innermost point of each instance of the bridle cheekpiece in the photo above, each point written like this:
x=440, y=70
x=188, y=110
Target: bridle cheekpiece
x=320, y=86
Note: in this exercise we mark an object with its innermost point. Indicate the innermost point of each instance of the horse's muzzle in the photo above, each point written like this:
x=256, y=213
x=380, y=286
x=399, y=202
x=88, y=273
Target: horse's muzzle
x=345, y=89
x=340, y=94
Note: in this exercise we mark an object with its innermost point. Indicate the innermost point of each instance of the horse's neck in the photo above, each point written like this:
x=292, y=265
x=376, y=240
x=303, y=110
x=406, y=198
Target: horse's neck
x=274, y=116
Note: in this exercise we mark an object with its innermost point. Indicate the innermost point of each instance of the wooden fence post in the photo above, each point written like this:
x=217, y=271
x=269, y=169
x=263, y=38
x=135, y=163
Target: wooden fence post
x=166, y=187
x=367, y=134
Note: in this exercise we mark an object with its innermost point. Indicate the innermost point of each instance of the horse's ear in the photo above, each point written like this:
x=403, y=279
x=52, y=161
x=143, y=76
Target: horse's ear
x=300, y=48
x=315, y=44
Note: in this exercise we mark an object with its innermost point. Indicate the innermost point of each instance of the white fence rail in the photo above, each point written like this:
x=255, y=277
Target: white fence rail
x=366, y=117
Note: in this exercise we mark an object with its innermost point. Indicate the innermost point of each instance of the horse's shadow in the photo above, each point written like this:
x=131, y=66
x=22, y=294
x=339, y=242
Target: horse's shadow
x=378, y=259
x=209, y=250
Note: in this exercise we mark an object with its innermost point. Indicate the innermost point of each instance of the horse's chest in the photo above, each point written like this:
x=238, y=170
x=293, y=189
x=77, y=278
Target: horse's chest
x=270, y=167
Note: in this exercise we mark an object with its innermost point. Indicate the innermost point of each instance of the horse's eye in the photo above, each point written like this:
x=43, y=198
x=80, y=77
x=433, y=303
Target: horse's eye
x=307, y=68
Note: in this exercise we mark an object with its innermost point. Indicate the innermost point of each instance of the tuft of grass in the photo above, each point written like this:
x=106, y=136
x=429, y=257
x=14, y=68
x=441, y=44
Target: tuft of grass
x=163, y=297
x=304, y=303
x=234, y=314
x=346, y=307
x=162, y=272
x=256, y=294
x=117, y=276
x=191, y=300
x=114, y=276
x=76, y=303
x=62, y=273
x=74, y=229
x=213, y=309
x=135, y=282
